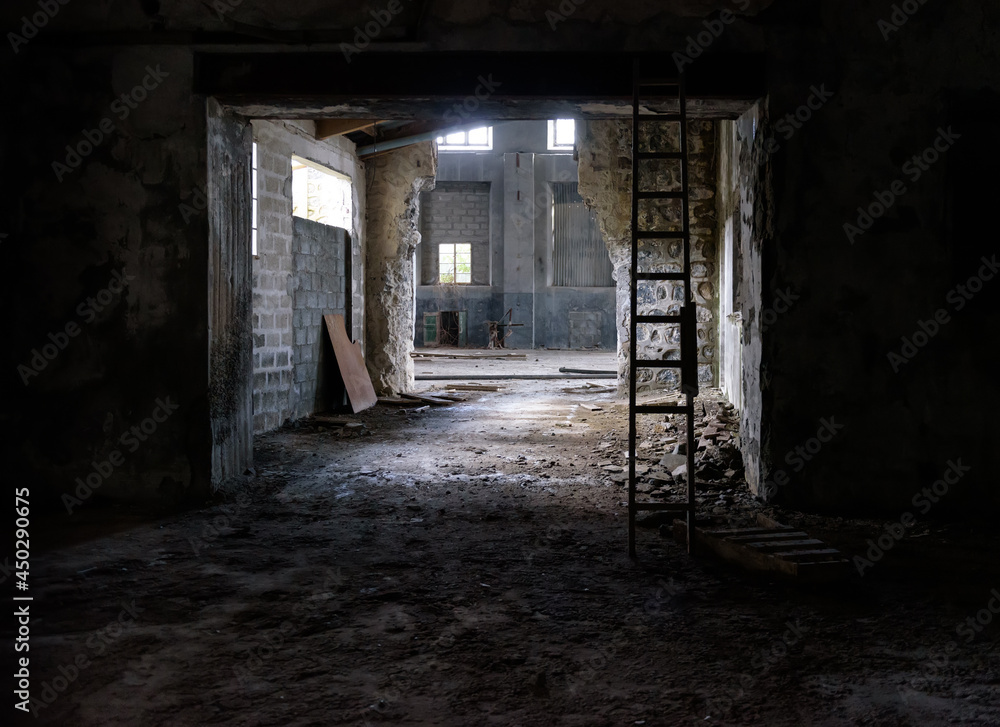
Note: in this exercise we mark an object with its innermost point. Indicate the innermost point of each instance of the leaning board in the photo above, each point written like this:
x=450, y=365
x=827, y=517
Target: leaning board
x=351, y=363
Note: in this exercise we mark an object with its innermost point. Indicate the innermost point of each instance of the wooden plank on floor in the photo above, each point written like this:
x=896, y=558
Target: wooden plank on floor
x=768, y=535
x=425, y=399
x=785, y=552
x=351, y=363
x=776, y=545
x=472, y=387
x=471, y=356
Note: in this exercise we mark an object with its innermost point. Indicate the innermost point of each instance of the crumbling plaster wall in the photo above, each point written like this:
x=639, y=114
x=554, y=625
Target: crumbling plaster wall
x=744, y=200
x=605, y=169
x=397, y=179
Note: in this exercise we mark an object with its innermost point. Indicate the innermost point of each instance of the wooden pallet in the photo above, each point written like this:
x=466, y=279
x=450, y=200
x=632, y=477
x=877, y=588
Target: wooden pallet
x=773, y=548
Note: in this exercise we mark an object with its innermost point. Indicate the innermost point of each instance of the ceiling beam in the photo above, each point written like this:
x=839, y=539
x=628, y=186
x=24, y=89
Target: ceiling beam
x=325, y=128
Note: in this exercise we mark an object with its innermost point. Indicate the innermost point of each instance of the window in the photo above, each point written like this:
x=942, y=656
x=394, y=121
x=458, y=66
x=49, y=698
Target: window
x=321, y=194
x=253, y=196
x=455, y=264
x=472, y=140
x=562, y=134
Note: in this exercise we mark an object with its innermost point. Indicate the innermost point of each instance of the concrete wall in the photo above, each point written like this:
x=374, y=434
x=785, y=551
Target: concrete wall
x=126, y=218
x=519, y=172
x=277, y=394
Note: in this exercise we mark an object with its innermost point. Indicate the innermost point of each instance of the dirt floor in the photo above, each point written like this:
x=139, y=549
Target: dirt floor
x=467, y=565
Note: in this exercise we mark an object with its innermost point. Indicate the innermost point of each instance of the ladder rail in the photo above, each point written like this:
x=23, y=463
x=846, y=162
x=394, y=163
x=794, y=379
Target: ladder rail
x=688, y=365
x=633, y=308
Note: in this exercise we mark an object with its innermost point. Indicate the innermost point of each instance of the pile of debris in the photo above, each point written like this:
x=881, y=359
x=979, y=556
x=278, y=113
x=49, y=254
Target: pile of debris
x=661, y=463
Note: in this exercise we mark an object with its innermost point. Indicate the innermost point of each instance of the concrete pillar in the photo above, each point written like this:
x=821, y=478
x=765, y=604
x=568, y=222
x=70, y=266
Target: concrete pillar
x=519, y=246
x=606, y=186
x=397, y=178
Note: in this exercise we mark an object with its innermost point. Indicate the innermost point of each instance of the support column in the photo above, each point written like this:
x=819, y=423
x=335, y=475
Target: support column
x=393, y=211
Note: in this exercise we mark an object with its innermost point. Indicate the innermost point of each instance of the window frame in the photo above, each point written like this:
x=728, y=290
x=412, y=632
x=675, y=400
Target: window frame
x=298, y=163
x=553, y=144
x=254, y=202
x=444, y=146
x=454, y=263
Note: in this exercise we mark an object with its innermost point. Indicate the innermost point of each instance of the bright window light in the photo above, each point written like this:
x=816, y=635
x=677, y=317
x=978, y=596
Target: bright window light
x=473, y=140
x=253, y=196
x=321, y=194
x=455, y=264
x=562, y=134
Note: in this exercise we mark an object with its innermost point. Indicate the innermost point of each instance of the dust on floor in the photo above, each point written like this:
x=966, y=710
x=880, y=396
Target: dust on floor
x=466, y=565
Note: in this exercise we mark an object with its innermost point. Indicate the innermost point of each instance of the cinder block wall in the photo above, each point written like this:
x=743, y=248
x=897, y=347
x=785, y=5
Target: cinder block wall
x=456, y=212
x=319, y=289
x=276, y=390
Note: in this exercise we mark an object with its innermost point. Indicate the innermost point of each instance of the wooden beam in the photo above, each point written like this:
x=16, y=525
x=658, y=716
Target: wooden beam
x=325, y=128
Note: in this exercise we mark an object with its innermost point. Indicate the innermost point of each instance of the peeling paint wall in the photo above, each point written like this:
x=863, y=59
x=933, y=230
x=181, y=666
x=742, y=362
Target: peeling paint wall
x=397, y=178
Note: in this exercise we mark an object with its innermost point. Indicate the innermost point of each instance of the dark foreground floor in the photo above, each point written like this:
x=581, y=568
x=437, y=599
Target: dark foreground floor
x=466, y=566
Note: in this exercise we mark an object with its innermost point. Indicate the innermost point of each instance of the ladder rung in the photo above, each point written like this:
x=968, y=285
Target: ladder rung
x=659, y=82
x=657, y=363
x=662, y=409
x=658, y=319
x=660, y=276
x=660, y=155
x=663, y=506
x=661, y=195
x=660, y=235
x=659, y=117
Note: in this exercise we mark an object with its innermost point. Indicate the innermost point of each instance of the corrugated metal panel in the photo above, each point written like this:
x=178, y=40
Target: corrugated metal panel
x=579, y=256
